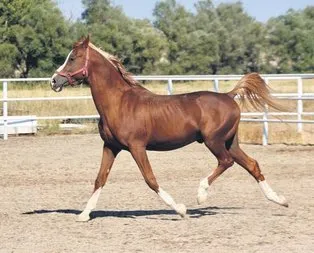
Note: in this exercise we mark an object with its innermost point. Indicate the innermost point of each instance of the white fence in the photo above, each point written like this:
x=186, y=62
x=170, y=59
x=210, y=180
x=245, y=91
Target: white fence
x=263, y=117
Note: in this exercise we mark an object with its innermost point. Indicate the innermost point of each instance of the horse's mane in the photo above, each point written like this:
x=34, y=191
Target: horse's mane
x=127, y=76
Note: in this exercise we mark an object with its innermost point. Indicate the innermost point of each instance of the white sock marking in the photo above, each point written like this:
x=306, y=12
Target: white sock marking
x=91, y=204
x=179, y=208
x=271, y=195
x=166, y=198
x=202, y=192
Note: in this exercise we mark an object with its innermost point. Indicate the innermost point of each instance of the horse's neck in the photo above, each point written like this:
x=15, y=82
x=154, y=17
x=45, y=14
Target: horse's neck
x=107, y=89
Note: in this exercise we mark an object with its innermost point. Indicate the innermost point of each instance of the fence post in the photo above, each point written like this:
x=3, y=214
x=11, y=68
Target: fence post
x=5, y=110
x=300, y=104
x=216, y=85
x=169, y=87
x=265, y=123
x=265, y=127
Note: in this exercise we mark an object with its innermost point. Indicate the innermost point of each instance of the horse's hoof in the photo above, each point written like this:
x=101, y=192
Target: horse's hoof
x=282, y=201
x=83, y=217
x=202, y=193
x=202, y=196
x=181, y=210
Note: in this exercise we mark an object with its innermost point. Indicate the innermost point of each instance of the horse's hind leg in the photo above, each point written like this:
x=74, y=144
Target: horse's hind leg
x=225, y=161
x=140, y=157
x=252, y=167
x=106, y=164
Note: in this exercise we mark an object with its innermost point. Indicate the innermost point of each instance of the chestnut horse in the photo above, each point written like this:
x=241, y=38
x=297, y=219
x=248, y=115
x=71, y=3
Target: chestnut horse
x=134, y=119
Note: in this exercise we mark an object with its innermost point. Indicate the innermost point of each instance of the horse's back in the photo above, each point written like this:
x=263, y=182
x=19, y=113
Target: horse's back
x=193, y=108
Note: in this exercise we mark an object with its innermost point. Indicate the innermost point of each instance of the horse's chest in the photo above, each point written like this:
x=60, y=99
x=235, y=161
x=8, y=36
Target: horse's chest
x=109, y=138
x=105, y=132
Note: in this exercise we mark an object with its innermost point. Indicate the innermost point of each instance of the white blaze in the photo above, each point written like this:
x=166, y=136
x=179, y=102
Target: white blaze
x=60, y=68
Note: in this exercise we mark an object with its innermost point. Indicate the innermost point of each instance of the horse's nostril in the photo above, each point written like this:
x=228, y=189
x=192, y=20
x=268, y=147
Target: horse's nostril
x=53, y=81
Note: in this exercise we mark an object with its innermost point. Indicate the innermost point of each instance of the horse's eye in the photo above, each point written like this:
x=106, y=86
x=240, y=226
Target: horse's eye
x=72, y=58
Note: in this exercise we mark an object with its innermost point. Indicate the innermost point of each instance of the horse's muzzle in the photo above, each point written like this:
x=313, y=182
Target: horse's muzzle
x=58, y=82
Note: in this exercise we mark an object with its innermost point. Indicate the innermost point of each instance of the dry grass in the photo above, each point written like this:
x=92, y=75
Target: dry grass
x=249, y=132
x=278, y=133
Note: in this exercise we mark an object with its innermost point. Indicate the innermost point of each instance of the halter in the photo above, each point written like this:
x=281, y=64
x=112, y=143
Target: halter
x=83, y=70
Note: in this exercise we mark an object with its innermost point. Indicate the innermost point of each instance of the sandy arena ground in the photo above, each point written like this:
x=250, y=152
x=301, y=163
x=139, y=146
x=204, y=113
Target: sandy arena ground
x=46, y=181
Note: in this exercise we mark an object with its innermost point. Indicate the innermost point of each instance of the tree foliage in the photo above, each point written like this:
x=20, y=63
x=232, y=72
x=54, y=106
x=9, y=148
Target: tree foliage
x=136, y=42
x=35, y=38
x=240, y=41
x=291, y=41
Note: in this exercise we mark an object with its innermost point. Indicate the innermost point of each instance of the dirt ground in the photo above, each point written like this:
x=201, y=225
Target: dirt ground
x=46, y=181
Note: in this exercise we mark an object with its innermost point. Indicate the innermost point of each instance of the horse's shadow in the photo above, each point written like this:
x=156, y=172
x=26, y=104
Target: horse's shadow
x=149, y=214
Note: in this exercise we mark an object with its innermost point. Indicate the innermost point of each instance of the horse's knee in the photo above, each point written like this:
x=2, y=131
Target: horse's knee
x=230, y=162
x=227, y=162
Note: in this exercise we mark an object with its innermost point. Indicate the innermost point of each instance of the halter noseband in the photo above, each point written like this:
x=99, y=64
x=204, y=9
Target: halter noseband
x=83, y=70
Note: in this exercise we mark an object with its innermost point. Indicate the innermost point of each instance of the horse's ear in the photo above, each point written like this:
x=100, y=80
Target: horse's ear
x=86, y=41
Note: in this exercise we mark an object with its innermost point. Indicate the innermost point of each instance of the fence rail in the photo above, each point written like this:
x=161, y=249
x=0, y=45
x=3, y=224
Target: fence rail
x=299, y=97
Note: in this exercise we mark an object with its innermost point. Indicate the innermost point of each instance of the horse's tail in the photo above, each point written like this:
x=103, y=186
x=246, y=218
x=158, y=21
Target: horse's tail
x=253, y=89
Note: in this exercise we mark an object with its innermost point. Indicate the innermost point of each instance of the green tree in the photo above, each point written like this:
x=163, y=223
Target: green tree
x=37, y=35
x=177, y=24
x=149, y=49
x=211, y=41
x=240, y=39
x=8, y=57
x=139, y=46
x=291, y=41
x=208, y=29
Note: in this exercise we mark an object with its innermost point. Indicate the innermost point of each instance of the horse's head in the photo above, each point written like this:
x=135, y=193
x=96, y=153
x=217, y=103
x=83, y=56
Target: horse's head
x=75, y=68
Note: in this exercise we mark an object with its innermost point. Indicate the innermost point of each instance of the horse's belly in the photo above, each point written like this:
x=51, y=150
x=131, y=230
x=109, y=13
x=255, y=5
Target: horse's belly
x=173, y=143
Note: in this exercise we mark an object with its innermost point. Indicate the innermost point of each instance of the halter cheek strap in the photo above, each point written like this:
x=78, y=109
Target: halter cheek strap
x=83, y=71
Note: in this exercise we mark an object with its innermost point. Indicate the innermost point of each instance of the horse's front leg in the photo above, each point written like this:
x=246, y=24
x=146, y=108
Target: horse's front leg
x=108, y=157
x=140, y=156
